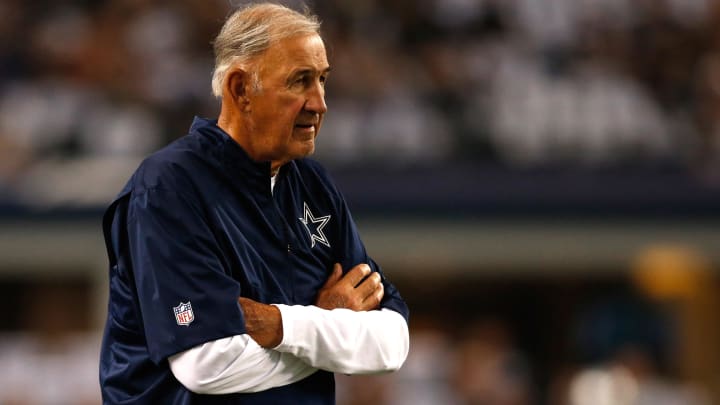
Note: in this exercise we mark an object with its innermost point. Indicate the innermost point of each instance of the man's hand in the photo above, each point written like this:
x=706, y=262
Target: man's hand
x=355, y=290
x=262, y=322
x=352, y=291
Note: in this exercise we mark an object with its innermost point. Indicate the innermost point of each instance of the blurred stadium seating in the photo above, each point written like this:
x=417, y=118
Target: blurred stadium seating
x=541, y=179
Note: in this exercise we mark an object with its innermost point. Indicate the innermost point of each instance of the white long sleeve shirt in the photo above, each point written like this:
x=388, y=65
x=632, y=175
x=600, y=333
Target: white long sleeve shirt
x=339, y=340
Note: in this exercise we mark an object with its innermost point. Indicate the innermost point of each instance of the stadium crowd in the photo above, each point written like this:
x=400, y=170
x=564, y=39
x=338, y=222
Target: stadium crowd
x=89, y=87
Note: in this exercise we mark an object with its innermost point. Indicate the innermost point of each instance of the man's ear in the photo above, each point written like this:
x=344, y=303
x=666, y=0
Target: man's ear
x=237, y=82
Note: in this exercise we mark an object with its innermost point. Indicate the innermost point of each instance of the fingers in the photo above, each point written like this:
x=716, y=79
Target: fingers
x=372, y=300
x=357, y=273
x=370, y=293
x=335, y=276
x=369, y=286
x=358, y=289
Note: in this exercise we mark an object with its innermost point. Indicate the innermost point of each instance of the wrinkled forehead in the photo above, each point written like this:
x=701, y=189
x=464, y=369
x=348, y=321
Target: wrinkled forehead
x=307, y=51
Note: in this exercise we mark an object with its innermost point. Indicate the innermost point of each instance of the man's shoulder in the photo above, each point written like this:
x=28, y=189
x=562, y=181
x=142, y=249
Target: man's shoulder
x=175, y=170
x=172, y=166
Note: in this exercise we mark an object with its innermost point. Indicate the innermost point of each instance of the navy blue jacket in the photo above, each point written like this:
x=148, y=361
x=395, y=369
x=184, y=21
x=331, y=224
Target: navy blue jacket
x=197, y=226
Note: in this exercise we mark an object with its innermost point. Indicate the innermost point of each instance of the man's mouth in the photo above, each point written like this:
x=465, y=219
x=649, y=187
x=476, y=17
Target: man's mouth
x=305, y=126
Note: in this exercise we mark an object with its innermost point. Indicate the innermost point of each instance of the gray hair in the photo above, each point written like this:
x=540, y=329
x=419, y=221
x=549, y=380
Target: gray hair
x=250, y=31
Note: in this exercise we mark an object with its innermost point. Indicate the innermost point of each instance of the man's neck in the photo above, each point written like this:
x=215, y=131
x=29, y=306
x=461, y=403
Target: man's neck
x=234, y=129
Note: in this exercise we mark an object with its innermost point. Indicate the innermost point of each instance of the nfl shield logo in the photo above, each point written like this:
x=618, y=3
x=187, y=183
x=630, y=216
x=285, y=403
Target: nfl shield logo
x=184, y=314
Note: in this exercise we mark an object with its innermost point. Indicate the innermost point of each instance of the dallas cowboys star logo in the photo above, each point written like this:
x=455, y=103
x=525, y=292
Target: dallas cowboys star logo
x=315, y=226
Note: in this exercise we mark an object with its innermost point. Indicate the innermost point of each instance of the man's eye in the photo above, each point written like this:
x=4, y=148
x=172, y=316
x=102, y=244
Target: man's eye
x=307, y=81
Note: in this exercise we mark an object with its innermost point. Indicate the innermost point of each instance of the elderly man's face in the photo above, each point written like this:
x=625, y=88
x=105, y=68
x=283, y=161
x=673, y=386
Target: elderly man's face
x=285, y=113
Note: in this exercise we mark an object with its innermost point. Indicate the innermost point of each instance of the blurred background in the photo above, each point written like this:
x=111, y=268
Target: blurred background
x=540, y=178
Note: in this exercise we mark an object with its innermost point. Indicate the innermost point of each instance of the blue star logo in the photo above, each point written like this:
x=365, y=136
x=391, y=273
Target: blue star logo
x=315, y=226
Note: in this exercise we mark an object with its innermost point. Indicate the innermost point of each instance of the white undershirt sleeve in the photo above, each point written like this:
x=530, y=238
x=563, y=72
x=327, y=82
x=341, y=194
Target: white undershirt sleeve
x=345, y=341
x=236, y=364
x=341, y=340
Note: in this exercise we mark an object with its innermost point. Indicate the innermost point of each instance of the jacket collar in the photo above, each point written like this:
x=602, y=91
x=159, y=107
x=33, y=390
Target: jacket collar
x=230, y=155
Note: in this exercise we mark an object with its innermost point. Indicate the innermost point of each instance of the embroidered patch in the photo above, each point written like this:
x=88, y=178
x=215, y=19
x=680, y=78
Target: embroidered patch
x=315, y=226
x=184, y=314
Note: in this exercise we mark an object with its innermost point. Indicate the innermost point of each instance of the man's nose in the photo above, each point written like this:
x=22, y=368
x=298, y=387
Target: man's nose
x=316, y=100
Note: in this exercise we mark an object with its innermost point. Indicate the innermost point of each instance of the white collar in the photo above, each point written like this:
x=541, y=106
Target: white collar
x=273, y=180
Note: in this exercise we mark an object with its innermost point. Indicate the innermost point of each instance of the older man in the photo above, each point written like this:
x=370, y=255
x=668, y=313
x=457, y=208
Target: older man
x=237, y=274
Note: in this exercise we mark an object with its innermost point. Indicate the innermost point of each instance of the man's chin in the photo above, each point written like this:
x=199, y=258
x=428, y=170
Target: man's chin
x=307, y=153
x=306, y=148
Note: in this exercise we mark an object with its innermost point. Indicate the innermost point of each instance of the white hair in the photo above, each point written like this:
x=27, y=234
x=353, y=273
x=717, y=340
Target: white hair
x=250, y=31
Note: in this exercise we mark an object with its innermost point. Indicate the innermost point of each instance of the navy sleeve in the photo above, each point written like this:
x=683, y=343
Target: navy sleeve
x=186, y=295
x=352, y=252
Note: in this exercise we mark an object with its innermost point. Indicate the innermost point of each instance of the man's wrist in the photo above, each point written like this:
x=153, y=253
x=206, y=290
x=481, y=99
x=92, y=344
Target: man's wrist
x=262, y=322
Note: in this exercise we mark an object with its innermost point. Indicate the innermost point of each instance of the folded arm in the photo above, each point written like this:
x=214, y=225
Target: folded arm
x=341, y=333
x=344, y=333
x=345, y=341
x=236, y=364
